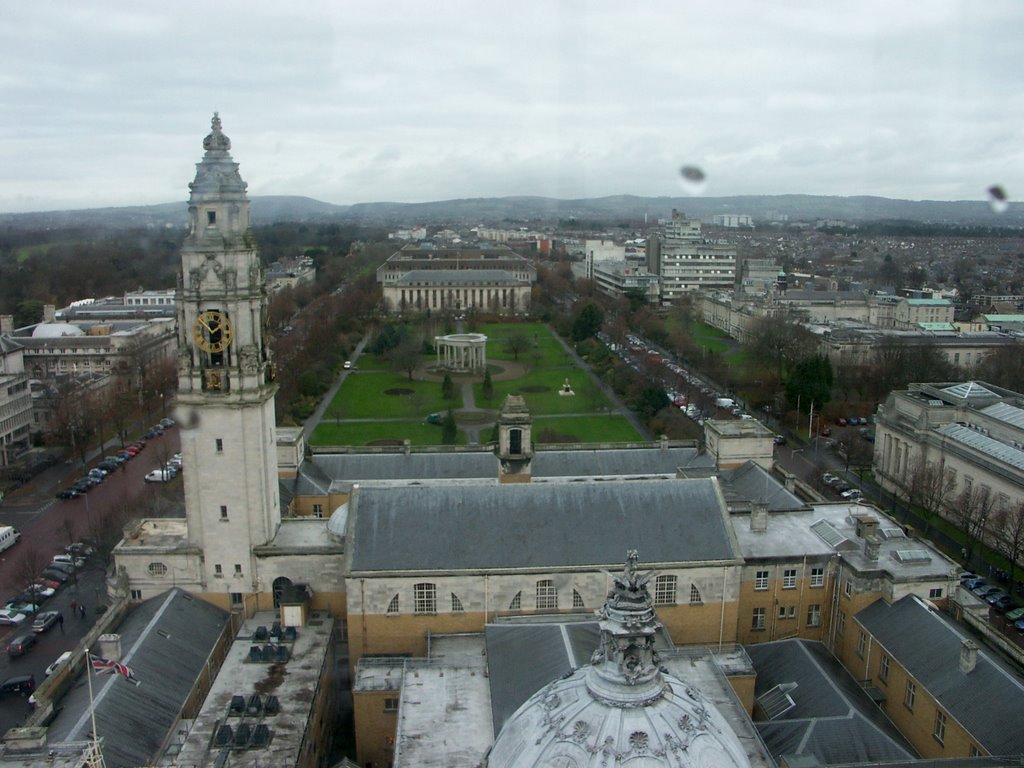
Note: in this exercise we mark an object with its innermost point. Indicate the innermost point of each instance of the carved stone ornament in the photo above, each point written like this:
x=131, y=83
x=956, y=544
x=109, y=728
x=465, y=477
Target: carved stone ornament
x=248, y=358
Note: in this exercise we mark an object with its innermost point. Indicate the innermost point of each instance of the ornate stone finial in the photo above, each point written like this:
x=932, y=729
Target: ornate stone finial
x=216, y=140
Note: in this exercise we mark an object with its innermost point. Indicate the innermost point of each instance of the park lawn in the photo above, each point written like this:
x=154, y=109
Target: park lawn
x=709, y=337
x=612, y=428
x=362, y=396
x=546, y=351
x=588, y=398
x=364, y=433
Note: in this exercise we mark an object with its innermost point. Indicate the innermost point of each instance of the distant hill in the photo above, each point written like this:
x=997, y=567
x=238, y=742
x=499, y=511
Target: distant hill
x=498, y=211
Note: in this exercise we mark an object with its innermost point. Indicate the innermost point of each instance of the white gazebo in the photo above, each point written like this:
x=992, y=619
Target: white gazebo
x=461, y=351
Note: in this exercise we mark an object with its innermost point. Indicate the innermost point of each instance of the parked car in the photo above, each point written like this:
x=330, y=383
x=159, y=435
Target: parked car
x=69, y=493
x=347, y=365
x=79, y=549
x=153, y=433
x=779, y=439
x=160, y=475
x=37, y=594
x=841, y=422
x=972, y=583
x=45, y=620
x=853, y=494
x=993, y=597
x=167, y=422
x=115, y=460
x=1015, y=615
x=108, y=466
x=985, y=590
x=42, y=581
x=11, y=618
x=23, y=685
x=967, y=576
x=57, y=662
x=53, y=575
x=828, y=478
x=57, y=565
x=18, y=606
x=74, y=562
x=1002, y=603
x=1019, y=625
x=21, y=645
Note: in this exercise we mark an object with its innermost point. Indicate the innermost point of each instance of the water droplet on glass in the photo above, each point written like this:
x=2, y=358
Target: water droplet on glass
x=692, y=179
x=997, y=199
x=190, y=423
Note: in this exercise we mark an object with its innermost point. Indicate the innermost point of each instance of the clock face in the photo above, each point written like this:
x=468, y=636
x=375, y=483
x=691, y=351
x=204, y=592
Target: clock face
x=212, y=331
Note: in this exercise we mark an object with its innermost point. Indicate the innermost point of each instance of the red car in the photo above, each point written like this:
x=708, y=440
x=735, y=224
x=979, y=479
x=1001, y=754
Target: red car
x=47, y=583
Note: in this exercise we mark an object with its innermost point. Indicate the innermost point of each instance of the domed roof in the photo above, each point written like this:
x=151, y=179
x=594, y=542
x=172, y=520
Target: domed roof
x=56, y=330
x=338, y=522
x=623, y=709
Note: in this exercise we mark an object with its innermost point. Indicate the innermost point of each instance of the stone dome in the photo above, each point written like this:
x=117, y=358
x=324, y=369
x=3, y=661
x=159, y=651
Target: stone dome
x=622, y=709
x=56, y=330
x=338, y=522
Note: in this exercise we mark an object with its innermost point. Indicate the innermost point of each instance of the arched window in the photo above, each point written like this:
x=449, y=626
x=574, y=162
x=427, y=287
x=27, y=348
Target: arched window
x=281, y=587
x=665, y=590
x=157, y=569
x=577, y=600
x=456, y=604
x=547, y=595
x=517, y=602
x=424, y=598
x=393, y=606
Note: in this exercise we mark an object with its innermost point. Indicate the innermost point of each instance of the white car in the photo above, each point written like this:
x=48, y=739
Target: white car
x=159, y=475
x=57, y=662
x=11, y=618
x=853, y=494
x=75, y=562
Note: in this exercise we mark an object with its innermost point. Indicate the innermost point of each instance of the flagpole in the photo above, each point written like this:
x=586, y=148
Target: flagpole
x=92, y=708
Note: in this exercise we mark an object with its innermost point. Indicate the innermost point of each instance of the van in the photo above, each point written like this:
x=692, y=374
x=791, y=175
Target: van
x=9, y=536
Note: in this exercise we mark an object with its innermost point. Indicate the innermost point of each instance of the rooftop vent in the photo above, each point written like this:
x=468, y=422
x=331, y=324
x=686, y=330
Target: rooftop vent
x=891, y=533
x=237, y=706
x=831, y=536
x=271, y=706
x=224, y=736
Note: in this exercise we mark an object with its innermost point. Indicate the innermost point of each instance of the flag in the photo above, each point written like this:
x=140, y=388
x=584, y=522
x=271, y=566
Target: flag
x=106, y=666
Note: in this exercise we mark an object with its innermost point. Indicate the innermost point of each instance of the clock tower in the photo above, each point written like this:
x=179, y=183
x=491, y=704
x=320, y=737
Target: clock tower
x=225, y=379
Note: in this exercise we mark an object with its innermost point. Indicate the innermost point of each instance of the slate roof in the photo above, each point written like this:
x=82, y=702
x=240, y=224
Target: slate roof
x=318, y=473
x=522, y=659
x=983, y=443
x=166, y=642
x=751, y=481
x=537, y=525
x=834, y=719
x=469, y=276
x=988, y=702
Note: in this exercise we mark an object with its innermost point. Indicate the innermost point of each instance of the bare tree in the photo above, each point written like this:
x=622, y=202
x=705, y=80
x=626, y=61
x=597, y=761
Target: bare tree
x=934, y=485
x=28, y=566
x=516, y=343
x=972, y=512
x=1008, y=525
x=406, y=356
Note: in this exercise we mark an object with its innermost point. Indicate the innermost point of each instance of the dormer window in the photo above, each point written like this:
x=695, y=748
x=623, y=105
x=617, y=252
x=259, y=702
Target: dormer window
x=211, y=218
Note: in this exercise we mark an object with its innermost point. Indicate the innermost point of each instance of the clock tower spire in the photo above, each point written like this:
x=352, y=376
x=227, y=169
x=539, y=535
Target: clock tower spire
x=225, y=377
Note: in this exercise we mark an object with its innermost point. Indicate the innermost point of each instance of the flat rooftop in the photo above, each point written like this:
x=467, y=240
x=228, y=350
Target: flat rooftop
x=294, y=682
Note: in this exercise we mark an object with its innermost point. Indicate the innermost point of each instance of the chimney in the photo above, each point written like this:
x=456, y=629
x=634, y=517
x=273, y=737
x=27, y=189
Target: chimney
x=6, y=323
x=759, y=517
x=109, y=647
x=871, y=545
x=968, y=656
x=663, y=442
x=49, y=312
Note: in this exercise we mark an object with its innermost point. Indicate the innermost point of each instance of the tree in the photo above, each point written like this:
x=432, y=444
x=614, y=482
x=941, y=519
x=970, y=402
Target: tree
x=487, y=388
x=447, y=387
x=1003, y=367
x=449, y=431
x=933, y=485
x=1009, y=535
x=516, y=343
x=650, y=400
x=405, y=357
x=810, y=383
x=587, y=323
x=779, y=341
x=972, y=513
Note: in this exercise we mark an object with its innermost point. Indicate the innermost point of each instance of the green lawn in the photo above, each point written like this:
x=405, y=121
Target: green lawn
x=709, y=337
x=587, y=399
x=587, y=429
x=366, y=432
x=362, y=396
x=545, y=350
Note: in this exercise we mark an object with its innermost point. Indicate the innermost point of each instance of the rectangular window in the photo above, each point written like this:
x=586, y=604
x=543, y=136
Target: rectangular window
x=238, y=569
x=848, y=587
x=883, y=669
x=220, y=445
x=935, y=593
x=817, y=577
x=862, y=642
x=236, y=599
x=789, y=578
x=665, y=590
x=910, y=696
x=391, y=705
x=223, y=512
x=546, y=595
x=318, y=510
x=761, y=580
x=814, y=615
x=424, y=598
x=758, y=620
x=840, y=623
x=939, y=732
x=136, y=594
x=211, y=218
x=218, y=572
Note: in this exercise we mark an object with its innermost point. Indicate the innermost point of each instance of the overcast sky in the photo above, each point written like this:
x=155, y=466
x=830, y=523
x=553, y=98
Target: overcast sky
x=106, y=103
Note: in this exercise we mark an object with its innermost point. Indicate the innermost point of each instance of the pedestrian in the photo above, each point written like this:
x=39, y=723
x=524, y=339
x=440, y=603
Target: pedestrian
x=74, y=605
x=60, y=620
x=81, y=610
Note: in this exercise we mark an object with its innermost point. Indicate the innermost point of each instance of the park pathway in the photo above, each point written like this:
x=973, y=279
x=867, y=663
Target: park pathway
x=310, y=424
